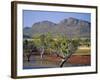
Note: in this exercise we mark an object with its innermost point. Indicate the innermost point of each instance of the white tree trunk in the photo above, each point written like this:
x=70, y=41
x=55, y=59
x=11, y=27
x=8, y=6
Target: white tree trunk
x=41, y=53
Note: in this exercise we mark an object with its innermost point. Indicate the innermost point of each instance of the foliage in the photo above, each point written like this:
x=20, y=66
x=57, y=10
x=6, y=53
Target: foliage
x=58, y=45
x=49, y=44
x=54, y=44
x=85, y=42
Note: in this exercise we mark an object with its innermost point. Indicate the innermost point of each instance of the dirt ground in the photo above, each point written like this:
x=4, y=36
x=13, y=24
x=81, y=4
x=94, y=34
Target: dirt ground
x=50, y=61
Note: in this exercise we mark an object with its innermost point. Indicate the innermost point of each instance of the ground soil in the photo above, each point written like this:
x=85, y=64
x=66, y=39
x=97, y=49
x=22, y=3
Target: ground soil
x=74, y=59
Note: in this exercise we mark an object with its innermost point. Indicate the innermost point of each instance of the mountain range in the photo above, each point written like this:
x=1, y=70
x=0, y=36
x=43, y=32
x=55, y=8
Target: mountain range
x=70, y=27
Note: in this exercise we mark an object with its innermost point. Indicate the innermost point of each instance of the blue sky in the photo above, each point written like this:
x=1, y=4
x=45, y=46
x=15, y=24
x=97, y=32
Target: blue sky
x=30, y=17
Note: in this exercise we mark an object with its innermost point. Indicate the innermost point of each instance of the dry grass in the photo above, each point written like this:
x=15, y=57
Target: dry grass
x=83, y=51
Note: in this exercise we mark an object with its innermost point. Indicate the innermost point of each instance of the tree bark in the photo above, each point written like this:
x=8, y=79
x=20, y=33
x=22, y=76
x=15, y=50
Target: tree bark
x=67, y=57
x=28, y=57
x=62, y=63
x=41, y=54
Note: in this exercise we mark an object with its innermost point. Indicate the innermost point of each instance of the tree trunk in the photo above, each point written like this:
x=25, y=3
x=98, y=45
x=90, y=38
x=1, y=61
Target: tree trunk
x=28, y=57
x=62, y=63
x=41, y=54
x=67, y=57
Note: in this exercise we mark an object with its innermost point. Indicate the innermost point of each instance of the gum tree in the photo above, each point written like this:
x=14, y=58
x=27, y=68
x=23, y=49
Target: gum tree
x=59, y=45
x=63, y=47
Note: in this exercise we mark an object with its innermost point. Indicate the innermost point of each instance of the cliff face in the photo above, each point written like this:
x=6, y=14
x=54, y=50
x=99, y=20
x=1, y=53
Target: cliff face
x=70, y=27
